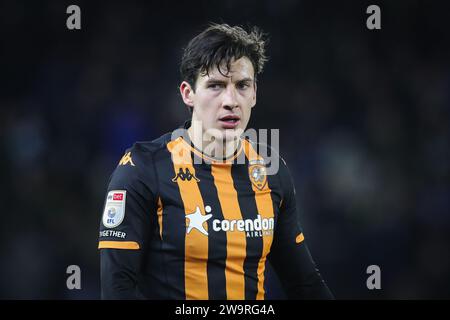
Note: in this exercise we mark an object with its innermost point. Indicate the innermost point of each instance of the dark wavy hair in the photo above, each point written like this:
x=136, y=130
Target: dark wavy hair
x=219, y=44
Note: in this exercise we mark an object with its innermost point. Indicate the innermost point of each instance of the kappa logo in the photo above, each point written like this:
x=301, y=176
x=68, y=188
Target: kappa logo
x=126, y=159
x=185, y=175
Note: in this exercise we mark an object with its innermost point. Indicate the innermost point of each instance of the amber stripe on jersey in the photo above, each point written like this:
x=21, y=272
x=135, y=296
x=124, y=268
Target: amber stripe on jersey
x=160, y=216
x=196, y=243
x=118, y=245
x=263, y=200
x=236, y=241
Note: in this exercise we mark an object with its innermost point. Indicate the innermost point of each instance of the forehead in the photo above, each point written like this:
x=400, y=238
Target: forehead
x=239, y=69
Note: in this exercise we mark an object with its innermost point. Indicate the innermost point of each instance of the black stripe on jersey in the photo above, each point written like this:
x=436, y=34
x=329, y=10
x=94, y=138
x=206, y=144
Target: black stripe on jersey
x=274, y=183
x=174, y=229
x=217, y=241
x=247, y=203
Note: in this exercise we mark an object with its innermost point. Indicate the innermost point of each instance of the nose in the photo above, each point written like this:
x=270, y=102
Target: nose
x=230, y=100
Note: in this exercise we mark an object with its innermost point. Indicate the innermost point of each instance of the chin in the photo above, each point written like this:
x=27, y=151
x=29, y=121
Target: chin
x=231, y=134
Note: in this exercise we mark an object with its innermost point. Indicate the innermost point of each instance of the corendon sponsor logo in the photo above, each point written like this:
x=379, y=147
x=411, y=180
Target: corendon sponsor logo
x=253, y=228
x=118, y=196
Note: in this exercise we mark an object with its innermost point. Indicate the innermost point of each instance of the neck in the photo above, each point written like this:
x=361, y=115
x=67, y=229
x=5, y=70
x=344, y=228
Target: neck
x=208, y=145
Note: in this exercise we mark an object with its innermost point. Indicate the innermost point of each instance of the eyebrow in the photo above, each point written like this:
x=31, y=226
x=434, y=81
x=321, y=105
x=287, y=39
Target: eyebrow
x=214, y=80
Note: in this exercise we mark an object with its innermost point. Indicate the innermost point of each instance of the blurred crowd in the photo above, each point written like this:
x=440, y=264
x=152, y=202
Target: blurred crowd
x=363, y=118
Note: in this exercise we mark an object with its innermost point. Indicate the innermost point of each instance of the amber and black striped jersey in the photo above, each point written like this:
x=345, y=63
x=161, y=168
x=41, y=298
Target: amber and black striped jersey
x=180, y=225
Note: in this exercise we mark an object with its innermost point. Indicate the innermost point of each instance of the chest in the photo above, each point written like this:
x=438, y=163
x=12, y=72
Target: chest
x=230, y=209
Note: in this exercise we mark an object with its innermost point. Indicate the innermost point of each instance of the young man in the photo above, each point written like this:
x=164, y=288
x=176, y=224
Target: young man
x=194, y=214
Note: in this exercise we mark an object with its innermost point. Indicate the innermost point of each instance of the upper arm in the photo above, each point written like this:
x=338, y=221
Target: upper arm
x=288, y=229
x=289, y=254
x=129, y=204
x=126, y=223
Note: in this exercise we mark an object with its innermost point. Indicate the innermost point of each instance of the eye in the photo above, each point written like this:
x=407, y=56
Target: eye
x=215, y=86
x=243, y=85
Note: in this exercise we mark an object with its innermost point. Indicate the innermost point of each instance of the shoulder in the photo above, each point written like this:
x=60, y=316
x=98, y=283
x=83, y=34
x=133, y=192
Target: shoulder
x=276, y=167
x=274, y=162
x=137, y=160
x=150, y=147
x=141, y=153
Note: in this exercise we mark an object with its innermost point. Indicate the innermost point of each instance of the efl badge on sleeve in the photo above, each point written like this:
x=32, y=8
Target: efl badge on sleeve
x=114, y=208
x=257, y=173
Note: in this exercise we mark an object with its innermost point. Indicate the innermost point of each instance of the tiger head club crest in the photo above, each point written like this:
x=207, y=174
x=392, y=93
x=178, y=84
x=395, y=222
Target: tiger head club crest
x=257, y=173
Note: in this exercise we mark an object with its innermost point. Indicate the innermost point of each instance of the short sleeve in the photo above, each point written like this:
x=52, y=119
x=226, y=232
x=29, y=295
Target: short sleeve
x=288, y=222
x=129, y=202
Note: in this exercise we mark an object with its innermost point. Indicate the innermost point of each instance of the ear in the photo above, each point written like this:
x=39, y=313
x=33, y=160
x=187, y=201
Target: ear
x=187, y=93
x=254, y=96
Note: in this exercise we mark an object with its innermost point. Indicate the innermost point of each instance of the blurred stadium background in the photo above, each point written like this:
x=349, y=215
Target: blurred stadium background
x=363, y=117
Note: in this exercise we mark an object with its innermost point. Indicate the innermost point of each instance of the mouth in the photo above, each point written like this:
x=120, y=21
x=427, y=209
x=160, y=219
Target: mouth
x=230, y=121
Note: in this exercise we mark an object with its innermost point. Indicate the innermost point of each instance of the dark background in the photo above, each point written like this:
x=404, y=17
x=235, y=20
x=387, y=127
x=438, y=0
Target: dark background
x=363, y=117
